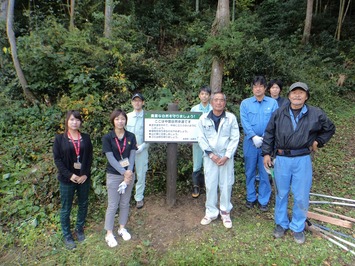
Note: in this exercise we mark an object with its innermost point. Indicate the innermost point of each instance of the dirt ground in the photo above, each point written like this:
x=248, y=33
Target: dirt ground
x=167, y=224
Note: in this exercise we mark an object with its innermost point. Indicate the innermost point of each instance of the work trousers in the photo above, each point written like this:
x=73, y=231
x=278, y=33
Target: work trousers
x=141, y=165
x=197, y=155
x=295, y=174
x=67, y=192
x=221, y=177
x=253, y=160
x=116, y=200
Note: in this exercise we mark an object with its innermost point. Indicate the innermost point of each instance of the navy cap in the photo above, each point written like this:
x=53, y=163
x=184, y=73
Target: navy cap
x=140, y=96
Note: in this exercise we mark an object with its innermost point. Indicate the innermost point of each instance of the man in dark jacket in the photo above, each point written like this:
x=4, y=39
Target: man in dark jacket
x=293, y=132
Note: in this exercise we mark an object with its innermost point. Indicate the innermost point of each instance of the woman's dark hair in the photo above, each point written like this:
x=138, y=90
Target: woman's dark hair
x=76, y=114
x=274, y=81
x=115, y=114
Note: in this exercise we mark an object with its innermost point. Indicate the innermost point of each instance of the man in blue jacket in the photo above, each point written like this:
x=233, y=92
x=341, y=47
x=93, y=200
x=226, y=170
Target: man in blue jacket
x=294, y=131
x=255, y=113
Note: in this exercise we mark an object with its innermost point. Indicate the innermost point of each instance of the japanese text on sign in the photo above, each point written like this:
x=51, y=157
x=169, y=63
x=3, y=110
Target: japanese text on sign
x=170, y=126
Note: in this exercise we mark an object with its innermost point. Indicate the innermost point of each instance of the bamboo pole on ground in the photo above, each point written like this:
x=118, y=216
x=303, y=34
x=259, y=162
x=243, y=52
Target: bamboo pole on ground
x=335, y=214
x=333, y=231
x=330, y=202
x=327, y=219
x=331, y=197
x=318, y=232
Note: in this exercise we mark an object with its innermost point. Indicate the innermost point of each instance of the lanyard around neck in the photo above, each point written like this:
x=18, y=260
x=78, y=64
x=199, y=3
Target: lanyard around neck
x=119, y=147
x=77, y=145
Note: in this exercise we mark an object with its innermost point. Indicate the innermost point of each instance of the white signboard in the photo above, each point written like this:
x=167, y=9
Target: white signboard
x=170, y=126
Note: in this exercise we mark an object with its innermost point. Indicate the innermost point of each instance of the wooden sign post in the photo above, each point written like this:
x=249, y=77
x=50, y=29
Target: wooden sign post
x=171, y=167
x=171, y=127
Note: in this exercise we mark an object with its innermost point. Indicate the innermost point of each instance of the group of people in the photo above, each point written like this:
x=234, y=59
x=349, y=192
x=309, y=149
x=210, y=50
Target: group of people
x=127, y=160
x=279, y=133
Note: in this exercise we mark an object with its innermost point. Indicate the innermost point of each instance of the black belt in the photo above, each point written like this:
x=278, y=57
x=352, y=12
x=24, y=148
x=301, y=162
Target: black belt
x=293, y=153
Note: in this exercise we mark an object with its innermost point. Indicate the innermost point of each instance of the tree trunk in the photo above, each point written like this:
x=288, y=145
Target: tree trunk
x=341, y=17
x=72, y=9
x=197, y=3
x=109, y=6
x=308, y=22
x=234, y=4
x=12, y=40
x=216, y=75
x=3, y=10
x=221, y=21
x=318, y=7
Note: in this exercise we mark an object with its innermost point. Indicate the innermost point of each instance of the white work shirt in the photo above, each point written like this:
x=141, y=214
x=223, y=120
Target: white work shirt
x=223, y=142
x=135, y=125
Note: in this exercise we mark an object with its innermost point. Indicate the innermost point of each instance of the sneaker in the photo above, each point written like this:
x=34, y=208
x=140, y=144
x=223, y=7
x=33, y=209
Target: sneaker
x=299, y=237
x=196, y=191
x=226, y=219
x=279, y=231
x=264, y=208
x=140, y=204
x=251, y=204
x=207, y=220
x=69, y=242
x=80, y=236
x=110, y=240
x=124, y=234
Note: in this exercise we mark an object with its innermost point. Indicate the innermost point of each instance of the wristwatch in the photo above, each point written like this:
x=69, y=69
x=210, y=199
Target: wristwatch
x=210, y=155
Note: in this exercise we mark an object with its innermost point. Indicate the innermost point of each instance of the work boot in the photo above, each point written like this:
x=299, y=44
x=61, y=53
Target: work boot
x=251, y=204
x=201, y=180
x=279, y=231
x=69, y=242
x=299, y=237
x=140, y=204
x=80, y=236
x=195, y=184
x=195, y=191
x=264, y=208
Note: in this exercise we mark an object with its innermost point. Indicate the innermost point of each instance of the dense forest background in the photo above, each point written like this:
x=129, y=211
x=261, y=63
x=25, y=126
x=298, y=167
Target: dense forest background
x=83, y=57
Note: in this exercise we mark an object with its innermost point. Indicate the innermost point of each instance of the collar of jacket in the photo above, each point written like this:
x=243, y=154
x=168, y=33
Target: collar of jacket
x=113, y=134
x=265, y=99
x=287, y=107
x=221, y=116
x=140, y=114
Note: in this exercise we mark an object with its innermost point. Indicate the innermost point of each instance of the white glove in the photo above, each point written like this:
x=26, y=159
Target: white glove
x=140, y=149
x=122, y=188
x=258, y=141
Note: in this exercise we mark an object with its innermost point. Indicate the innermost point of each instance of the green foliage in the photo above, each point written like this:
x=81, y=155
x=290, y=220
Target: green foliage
x=251, y=242
x=227, y=44
x=164, y=50
x=57, y=61
x=280, y=18
x=243, y=5
x=26, y=164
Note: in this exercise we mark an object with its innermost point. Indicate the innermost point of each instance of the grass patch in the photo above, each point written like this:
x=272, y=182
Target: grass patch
x=162, y=236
